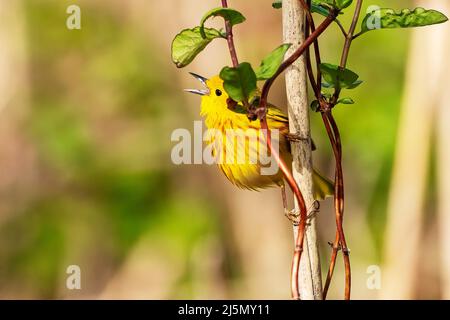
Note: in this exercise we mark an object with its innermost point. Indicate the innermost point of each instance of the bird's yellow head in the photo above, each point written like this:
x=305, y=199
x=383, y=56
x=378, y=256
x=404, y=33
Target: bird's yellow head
x=214, y=97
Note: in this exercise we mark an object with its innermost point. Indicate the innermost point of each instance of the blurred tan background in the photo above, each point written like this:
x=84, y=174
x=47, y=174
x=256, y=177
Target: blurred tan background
x=86, y=177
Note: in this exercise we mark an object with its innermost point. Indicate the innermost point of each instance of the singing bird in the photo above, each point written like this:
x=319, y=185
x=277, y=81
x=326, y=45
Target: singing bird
x=248, y=174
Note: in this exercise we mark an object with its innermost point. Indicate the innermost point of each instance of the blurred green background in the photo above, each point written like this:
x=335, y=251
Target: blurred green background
x=86, y=176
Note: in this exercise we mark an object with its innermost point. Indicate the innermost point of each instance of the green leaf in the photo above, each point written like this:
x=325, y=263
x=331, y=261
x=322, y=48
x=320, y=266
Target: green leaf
x=336, y=77
x=231, y=15
x=315, y=105
x=338, y=4
x=317, y=8
x=342, y=4
x=272, y=62
x=388, y=19
x=277, y=4
x=355, y=84
x=346, y=101
x=189, y=43
x=240, y=82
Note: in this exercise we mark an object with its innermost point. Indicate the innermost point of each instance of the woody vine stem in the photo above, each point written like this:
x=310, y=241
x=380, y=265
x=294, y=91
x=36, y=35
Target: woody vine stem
x=334, y=136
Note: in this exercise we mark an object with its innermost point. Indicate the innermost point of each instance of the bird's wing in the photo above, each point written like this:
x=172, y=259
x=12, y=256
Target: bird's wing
x=276, y=114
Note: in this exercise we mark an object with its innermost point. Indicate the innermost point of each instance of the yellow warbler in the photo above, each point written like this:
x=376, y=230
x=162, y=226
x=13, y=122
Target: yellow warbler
x=246, y=172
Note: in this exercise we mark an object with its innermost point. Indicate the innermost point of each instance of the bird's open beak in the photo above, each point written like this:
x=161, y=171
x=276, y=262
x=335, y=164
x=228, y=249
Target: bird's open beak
x=203, y=81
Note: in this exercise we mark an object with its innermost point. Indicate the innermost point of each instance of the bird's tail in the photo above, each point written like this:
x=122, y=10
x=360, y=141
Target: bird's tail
x=323, y=187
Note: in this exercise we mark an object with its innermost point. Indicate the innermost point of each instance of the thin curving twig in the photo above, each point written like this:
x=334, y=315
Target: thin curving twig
x=229, y=31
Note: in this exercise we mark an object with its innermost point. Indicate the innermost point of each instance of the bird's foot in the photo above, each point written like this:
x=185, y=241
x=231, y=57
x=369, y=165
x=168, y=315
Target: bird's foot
x=295, y=137
x=294, y=214
x=313, y=210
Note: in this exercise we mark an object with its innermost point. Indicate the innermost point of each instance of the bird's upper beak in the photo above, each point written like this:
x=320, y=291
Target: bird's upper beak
x=197, y=91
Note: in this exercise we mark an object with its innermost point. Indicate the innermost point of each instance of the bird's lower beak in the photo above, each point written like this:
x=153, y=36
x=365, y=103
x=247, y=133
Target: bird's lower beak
x=197, y=91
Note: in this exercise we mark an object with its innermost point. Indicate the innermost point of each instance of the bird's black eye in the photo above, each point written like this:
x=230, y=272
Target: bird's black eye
x=218, y=93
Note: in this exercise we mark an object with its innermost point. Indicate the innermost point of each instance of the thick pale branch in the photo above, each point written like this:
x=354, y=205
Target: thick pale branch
x=309, y=275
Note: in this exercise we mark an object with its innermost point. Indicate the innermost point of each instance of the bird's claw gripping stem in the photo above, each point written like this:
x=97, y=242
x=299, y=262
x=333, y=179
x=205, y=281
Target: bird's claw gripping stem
x=294, y=214
x=295, y=137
